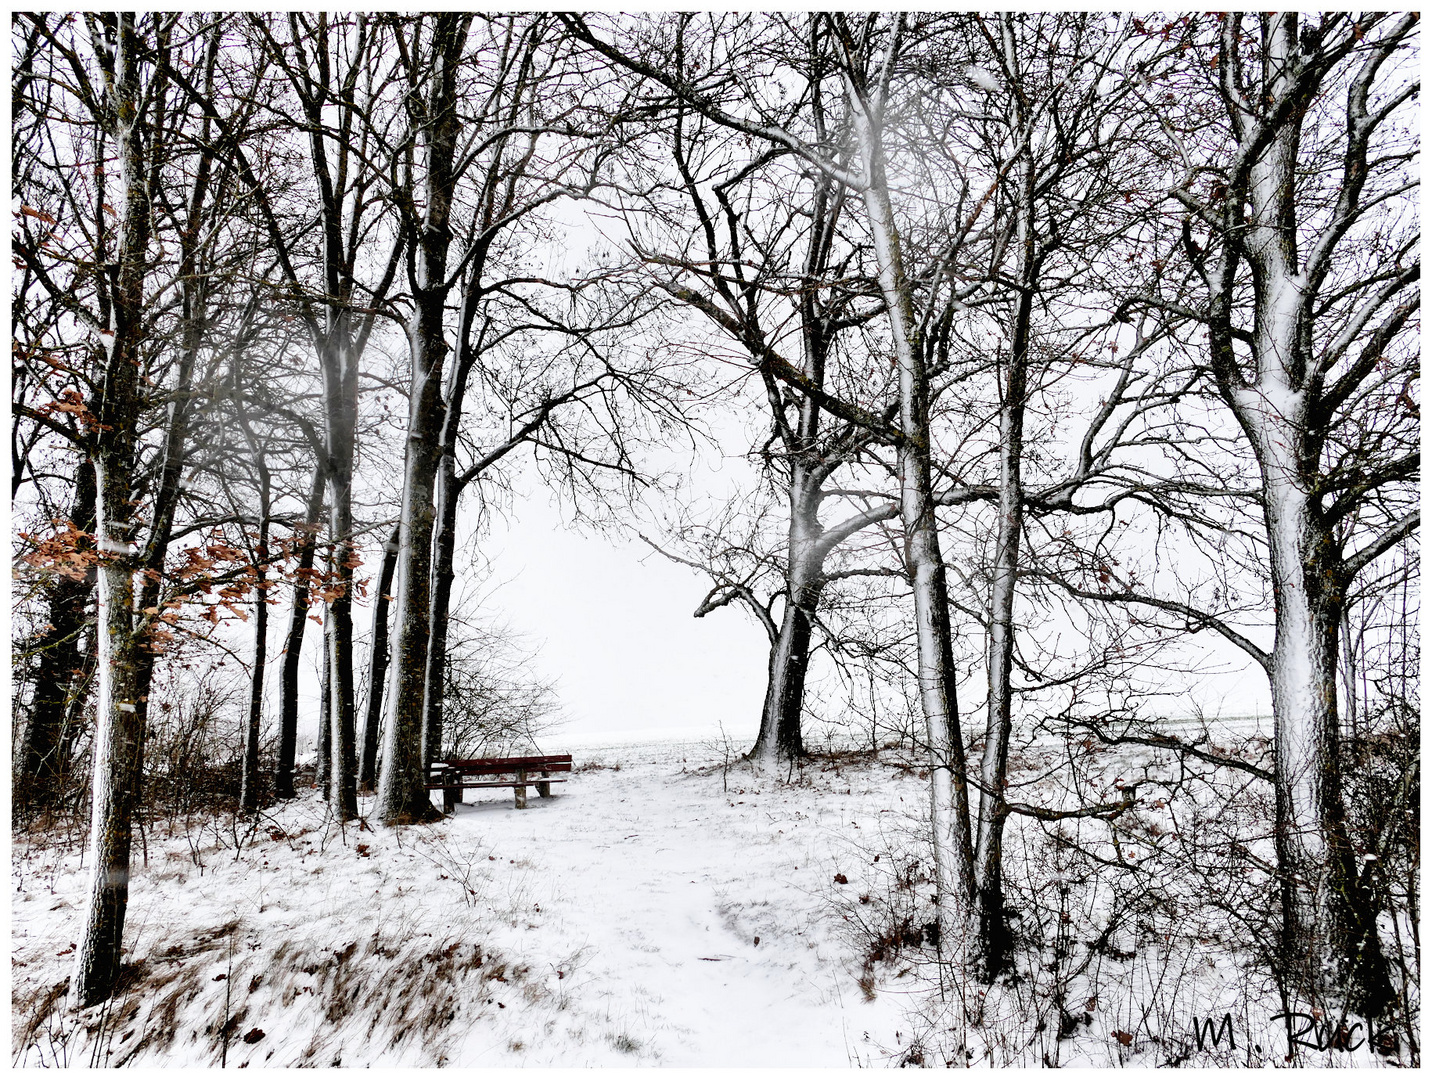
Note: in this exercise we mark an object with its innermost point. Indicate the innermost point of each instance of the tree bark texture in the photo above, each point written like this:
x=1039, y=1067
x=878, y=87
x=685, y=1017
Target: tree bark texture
x=118, y=747
x=305, y=545
x=402, y=786
x=59, y=675
x=377, y=667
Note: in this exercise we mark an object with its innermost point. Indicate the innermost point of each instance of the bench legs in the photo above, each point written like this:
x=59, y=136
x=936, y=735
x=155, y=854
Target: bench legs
x=452, y=788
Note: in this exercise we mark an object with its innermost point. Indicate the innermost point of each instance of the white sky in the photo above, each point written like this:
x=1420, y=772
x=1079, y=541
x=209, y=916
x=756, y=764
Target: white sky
x=614, y=625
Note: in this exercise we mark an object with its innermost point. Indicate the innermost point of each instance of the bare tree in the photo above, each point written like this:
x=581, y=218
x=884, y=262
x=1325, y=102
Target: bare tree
x=334, y=71
x=744, y=269
x=121, y=90
x=1298, y=233
x=510, y=143
x=865, y=57
x=431, y=60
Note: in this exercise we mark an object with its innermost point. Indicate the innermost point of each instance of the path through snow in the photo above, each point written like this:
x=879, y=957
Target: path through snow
x=667, y=883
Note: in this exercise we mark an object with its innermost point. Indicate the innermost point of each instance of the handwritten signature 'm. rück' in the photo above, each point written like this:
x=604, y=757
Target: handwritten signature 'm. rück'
x=1304, y=1030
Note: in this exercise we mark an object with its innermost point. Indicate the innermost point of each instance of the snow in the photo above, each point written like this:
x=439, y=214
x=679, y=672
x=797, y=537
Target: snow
x=982, y=78
x=615, y=923
x=667, y=906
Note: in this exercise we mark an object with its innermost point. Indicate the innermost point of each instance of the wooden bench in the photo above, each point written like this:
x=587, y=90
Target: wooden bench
x=456, y=775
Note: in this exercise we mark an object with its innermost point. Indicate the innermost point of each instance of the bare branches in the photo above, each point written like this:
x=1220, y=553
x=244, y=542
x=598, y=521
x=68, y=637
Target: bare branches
x=725, y=591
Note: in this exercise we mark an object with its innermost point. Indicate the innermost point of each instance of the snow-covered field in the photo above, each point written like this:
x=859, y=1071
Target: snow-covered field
x=651, y=912
x=666, y=907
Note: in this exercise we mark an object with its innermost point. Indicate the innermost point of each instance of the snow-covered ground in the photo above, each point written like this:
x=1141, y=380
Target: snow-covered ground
x=670, y=907
x=654, y=911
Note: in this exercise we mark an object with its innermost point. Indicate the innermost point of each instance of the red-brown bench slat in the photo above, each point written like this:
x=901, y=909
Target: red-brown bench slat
x=550, y=762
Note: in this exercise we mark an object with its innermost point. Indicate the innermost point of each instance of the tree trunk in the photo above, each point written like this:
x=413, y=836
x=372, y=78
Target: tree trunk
x=402, y=790
x=322, y=771
x=249, y=787
x=43, y=762
x=1329, y=937
x=949, y=795
x=118, y=743
x=402, y=787
x=993, y=939
x=444, y=544
x=780, y=735
x=343, y=763
x=119, y=731
x=249, y=783
x=377, y=666
x=293, y=642
x=341, y=393
x=1327, y=915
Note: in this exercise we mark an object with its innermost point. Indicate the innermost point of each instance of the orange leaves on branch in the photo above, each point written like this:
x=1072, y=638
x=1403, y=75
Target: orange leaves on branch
x=67, y=552
x=200, y=560
x=72, y=403
x=329, y=591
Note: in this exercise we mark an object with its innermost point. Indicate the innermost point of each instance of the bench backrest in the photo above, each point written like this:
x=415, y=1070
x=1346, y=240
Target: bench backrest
x=486, y=766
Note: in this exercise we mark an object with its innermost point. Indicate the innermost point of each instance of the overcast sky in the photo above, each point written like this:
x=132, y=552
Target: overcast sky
x=613, y=623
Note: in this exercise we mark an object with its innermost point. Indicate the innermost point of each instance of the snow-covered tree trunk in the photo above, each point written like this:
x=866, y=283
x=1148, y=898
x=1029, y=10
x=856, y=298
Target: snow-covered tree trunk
x=994, y=938
x=1286, y=384
x=402, y=784
x=118, y=745
x=949, y=795
x=780, y=732
x=993, y=931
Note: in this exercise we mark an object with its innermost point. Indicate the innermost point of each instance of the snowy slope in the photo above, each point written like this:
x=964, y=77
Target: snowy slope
x=668, y=907
x=614, y=924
